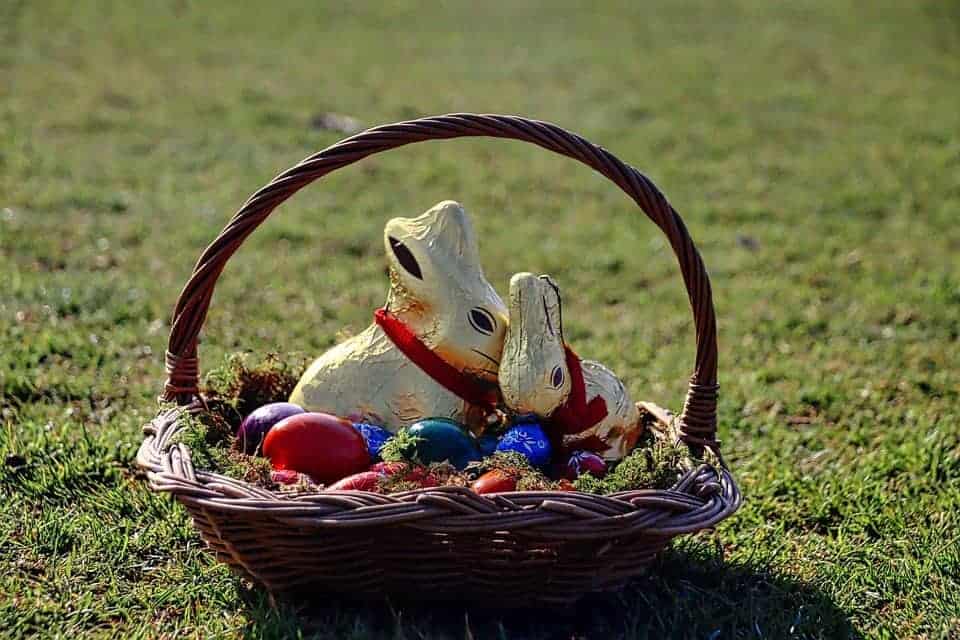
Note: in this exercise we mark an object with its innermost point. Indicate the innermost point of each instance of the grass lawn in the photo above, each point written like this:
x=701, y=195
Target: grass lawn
x=811, y=147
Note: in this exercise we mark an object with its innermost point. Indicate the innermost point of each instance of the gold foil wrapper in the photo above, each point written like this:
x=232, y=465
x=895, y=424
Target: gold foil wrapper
x=535, y=378
x=438, y=290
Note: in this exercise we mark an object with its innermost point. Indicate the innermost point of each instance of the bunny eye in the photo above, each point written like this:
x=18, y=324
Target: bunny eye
x=557, y=377
x=406, y=258
x=482, y=321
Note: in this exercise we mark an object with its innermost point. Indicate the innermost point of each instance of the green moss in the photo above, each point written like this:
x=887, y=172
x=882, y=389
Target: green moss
x=396, y=484
x=211, y=444
x=243, y=383
x=653, y=464
x=402, y=447
x=510, y=461
x=411, y=476
x=535, y=481
x=591, y=484
x=447, y=475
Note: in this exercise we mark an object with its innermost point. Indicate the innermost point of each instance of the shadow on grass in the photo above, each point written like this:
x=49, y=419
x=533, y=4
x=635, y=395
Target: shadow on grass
x=683, y=596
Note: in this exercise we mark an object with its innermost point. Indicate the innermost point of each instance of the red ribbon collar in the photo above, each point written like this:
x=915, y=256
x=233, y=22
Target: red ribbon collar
x=576, y=414
x=451, y=378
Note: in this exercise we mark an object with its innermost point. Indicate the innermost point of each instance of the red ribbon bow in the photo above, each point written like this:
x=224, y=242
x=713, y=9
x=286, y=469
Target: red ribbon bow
x=576, y=414
x=451, y=378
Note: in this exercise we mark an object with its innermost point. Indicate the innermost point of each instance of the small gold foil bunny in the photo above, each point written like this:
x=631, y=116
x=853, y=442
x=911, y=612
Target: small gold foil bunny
x=586, y=403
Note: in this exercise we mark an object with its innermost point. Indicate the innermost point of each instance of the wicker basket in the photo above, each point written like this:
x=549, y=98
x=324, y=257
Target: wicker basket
x=515, y=549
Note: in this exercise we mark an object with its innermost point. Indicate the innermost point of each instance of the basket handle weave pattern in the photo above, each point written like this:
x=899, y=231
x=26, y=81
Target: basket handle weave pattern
x=698, y=419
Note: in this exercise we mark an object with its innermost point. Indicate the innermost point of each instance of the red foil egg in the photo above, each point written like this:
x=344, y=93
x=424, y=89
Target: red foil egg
x=320, y=445
x=495, y=481
x=363, y=481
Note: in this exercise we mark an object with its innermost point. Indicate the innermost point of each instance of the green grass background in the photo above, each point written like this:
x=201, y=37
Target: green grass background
x=812, y=148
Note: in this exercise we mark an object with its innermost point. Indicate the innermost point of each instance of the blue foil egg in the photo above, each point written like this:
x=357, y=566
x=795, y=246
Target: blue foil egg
x=529, y=439
x=375, y=437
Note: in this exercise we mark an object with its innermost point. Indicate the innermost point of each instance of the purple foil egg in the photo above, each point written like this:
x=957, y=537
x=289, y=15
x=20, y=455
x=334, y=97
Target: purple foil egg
x=255, y=426
x=582, y=462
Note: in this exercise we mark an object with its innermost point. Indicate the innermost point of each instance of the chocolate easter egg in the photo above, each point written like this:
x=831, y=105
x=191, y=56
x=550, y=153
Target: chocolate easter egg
x=581, y=462
x=494, y=481
x=442, y=439
x=324, y=447
x=375, y=437
x=255, y=426
x=529, y=439
x=363, y=481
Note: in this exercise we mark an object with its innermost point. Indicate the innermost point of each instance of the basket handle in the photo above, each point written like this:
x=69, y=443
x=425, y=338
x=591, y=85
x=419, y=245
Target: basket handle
x=698, y=420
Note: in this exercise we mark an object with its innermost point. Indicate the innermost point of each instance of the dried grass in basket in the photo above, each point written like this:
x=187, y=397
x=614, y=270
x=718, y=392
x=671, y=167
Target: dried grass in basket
x=522, y=548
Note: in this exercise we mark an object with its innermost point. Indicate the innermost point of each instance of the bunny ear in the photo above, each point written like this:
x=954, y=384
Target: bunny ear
x=552, y=306
x=454, y=231
x=436, y=254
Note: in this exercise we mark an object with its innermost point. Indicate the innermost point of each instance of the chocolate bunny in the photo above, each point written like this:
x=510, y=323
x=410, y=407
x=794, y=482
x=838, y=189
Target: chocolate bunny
x=586, y=404
x=434, y=349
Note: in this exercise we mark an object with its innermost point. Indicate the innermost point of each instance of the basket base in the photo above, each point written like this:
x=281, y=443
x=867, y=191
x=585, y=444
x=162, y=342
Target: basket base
x=408, y=564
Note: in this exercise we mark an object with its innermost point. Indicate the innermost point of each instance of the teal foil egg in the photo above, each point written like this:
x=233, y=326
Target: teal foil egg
x=444, y=439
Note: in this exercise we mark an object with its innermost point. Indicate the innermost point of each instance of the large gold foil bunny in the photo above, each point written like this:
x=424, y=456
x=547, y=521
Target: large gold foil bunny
x=587, y=404
x=434, y=349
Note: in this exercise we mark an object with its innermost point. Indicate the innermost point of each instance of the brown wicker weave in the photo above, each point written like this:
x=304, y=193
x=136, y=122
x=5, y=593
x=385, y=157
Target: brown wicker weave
x=440, y=543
